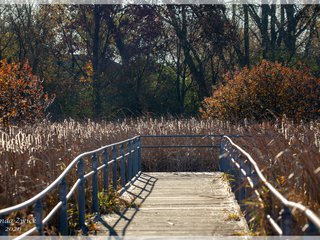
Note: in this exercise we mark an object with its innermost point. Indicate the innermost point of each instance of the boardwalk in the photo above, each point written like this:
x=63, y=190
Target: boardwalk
x=165, y=204
x=177, y=204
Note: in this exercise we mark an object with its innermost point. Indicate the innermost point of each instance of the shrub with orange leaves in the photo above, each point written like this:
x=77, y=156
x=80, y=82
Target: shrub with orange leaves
x=268, y=88
x=22, y=99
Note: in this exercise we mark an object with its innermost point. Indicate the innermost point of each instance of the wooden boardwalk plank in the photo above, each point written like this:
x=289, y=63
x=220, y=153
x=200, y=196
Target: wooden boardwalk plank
x=176, y=204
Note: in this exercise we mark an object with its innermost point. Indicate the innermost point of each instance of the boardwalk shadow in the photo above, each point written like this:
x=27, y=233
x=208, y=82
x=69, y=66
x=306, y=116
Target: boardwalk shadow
x=138, y=191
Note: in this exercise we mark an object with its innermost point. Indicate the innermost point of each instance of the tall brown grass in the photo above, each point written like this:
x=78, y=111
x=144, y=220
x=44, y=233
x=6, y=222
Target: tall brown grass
x=31, y=157
x=28, y=152
x=289, y=156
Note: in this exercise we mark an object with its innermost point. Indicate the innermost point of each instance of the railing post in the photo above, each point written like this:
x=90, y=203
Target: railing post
x=38, y=215
x=247, y=168
x=105, y=171
x=133, y=159
x=63, y=224
x=114, y=174
x=234, y=172
x=81, y=197
x=312, y=229
x=135, y=162
x=123, y=166
x=3, y=226
x=95, y=204
x=130, y=160
x=139, y=153
x=286, y=221
x=242, y=178
x=222, y=157
x=254, y=178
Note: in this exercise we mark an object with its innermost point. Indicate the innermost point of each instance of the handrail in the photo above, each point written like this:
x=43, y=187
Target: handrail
x=189, y=135
x=308, y=213
x=32, y=200
x=134, y=167
x=202, y=136
x=130, y=171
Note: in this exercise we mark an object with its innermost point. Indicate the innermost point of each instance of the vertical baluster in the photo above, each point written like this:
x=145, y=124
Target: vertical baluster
x=286, y=221
x=95, y=204
x=236, y=174
x=133, y=158
x=38, y=214
x=255, y=178
x=63, y=224
x=105, y=171
x=81, y=197
x=139, y=153
x=4, y=225
x=130, y=160
x=242, y=187
x=227, y=159
x=238, y=177
x=114, y=175
x=247, y=168
x=230, y=168
x=123, y=166
x=222, y=157
x=312, y=229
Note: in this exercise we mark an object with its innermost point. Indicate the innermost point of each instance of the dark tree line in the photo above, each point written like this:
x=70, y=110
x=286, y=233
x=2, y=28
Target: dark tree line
x=109, y=61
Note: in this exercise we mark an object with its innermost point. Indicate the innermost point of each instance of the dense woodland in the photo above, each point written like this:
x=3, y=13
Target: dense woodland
x=114, y=61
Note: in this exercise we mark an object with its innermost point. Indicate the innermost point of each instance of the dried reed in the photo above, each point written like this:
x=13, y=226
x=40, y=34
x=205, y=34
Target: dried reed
x=31, y=157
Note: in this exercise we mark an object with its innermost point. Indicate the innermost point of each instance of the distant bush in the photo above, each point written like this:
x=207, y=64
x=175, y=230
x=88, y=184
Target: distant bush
x=22, y=99
x=269, y=88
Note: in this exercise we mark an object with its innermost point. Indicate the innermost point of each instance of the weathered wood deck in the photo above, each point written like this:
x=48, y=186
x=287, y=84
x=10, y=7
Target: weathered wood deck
x=177, y=204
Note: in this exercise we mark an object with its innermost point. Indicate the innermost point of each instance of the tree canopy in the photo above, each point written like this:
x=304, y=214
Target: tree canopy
x=111, y=61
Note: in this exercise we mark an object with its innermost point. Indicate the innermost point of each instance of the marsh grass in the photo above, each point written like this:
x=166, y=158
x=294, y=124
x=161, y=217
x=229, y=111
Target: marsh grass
x=289, y=156
x=31, y=157
x=233, y=217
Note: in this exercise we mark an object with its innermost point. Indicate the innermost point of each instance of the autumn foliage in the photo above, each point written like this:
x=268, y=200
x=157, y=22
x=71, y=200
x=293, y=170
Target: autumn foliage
x=22, y=99
x=267, y=89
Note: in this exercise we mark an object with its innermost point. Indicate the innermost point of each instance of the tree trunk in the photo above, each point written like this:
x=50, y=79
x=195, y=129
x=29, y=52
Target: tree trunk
x=264, y=30
x=246, y=36
x=273, y=32
x=291, y=29
x=195, y=67
x=95, y=61
x=183, y=87
x=178, y=72
x=118, y=38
